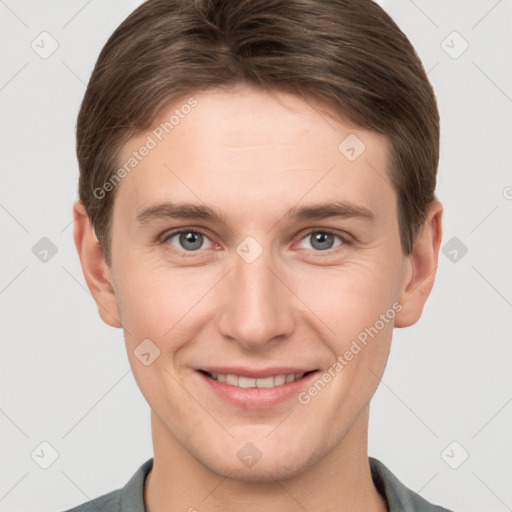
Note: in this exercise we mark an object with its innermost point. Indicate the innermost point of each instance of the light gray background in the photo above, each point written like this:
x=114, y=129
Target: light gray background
x=65, y=375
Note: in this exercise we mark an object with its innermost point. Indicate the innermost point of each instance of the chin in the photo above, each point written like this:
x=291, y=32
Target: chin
x=263, y=471
x=259, y=475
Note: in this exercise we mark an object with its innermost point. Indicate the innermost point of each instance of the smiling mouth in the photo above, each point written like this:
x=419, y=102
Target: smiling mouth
x=250, y=382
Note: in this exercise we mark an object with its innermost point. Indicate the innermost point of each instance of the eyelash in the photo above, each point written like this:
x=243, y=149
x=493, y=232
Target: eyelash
x=345, y=239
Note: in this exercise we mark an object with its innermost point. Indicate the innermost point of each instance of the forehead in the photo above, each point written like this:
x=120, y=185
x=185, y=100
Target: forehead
x=252, y=150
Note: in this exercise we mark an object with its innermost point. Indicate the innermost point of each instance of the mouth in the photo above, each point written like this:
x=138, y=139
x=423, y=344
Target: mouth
x=264, y=390
x=242, y=381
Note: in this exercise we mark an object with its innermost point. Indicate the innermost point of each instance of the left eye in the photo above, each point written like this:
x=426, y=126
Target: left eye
x=322, y=240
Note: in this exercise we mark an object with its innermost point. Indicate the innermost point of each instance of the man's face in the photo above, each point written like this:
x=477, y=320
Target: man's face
x=262, y=291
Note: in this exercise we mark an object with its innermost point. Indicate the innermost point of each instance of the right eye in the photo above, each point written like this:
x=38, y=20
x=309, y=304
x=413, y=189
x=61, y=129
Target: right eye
x=187, y=240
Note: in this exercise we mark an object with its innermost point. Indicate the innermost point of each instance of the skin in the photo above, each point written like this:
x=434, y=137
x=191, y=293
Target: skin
x=252, y=156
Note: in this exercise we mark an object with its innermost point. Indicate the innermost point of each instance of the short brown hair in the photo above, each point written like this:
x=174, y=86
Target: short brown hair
x=347, y=53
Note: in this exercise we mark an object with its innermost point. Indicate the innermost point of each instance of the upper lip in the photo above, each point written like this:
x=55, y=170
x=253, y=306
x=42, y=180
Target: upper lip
x=256, y=373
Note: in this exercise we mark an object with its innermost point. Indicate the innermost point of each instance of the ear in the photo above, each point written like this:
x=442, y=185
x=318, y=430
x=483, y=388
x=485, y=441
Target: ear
x=421, y=267
x=96, y=272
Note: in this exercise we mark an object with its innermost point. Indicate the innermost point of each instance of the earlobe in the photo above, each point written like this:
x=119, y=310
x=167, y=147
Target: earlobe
x=421, y=267
x=96, y=272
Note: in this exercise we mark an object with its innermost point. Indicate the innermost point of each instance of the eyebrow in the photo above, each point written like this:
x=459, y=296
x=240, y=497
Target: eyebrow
x=319, y=211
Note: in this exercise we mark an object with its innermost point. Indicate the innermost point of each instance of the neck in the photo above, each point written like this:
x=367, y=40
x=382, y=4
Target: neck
x=339, y=482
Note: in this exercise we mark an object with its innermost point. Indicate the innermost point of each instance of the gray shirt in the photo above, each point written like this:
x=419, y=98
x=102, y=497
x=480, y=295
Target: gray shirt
x=131, y=497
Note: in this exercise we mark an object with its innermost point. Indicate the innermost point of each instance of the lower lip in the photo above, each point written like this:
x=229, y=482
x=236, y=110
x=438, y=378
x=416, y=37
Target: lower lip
x=257, y=398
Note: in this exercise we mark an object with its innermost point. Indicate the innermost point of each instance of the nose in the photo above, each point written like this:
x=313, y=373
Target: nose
x=257, y=307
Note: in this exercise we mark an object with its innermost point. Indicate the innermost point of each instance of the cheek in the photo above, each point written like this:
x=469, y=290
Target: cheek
x=154, y=298
x=358, y=306
x=350, y=298
x=156, y=305
x=358, y=309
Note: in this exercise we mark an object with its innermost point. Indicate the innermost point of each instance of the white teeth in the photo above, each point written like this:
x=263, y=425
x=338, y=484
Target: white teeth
x=246, y=382
x=231, y=379
x=279, y=380
x=267, y=382
x=249, y=382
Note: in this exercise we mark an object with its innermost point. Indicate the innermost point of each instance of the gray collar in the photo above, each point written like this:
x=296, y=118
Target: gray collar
x=399, y=498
